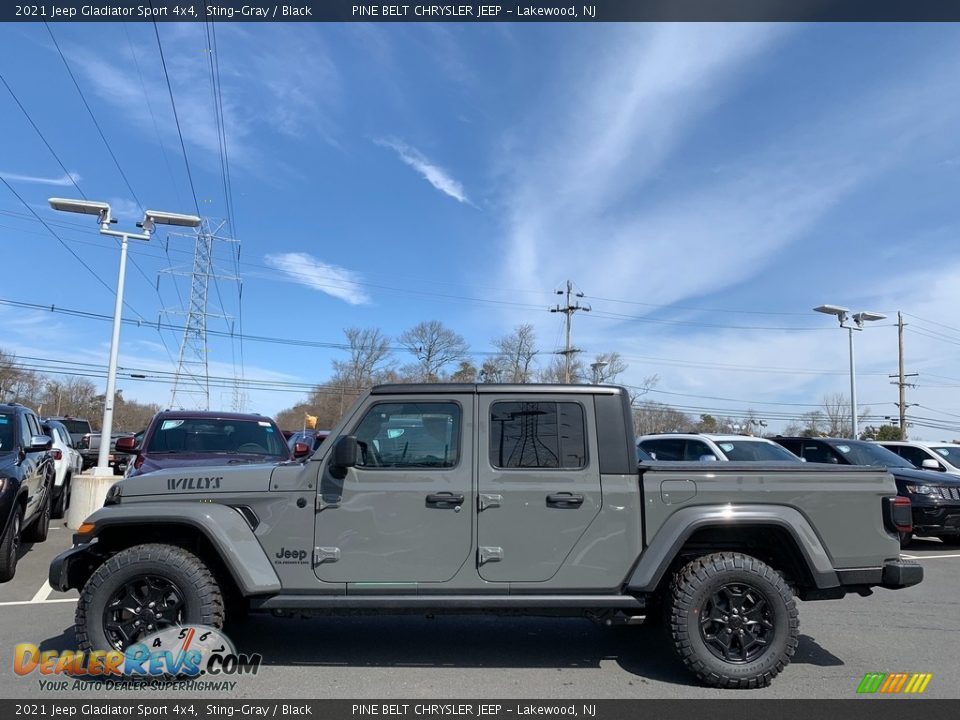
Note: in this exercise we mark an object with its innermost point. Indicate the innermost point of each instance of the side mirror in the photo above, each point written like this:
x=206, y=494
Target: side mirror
x=345, y=452
x=39, y=443
x=708, y=458
x=300, y=450
x=931, y=464
x=127, y=445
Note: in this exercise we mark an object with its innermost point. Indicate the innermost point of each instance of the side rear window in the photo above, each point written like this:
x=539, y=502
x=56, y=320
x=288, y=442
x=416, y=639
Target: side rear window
x=538, y=435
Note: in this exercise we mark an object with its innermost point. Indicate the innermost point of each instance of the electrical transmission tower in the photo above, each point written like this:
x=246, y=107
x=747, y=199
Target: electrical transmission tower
x=191, y=383
x=569, y=309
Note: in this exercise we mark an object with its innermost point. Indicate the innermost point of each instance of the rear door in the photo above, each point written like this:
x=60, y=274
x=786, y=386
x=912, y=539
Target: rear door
x=538, y=483
x=404, y=513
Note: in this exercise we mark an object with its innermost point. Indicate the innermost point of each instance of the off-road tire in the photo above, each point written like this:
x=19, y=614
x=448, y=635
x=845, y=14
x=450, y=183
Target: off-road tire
x=203, y=601
x=63, y=500
x=37, y=531
x=9, y=545
x=690, y=589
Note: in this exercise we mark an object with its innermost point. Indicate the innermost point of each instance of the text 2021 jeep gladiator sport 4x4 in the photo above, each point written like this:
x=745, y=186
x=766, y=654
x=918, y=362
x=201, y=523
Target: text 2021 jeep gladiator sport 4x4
x=493, y=499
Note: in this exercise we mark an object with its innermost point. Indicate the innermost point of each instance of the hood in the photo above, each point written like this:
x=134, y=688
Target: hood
x=8, y=458
x=187, y=478
x=925, y=477
x=153, y=463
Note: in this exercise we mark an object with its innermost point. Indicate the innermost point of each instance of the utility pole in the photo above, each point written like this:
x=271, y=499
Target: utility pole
x=569, y=309
x=901, y=378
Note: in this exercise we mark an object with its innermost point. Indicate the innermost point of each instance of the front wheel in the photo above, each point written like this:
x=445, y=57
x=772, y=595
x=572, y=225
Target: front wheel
x=40, y=527
x=10, y=546
x=143, y=589
x=733, y=620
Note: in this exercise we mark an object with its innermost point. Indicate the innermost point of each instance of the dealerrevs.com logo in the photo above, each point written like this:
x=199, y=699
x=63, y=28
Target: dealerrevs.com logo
x=894, y=683
x=180, y=652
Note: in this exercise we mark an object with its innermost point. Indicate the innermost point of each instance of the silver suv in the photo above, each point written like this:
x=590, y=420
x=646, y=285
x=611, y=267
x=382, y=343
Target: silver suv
x=696, y=447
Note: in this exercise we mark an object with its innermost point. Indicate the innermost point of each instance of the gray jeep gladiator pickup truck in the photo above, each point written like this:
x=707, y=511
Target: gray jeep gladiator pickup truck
x=493, y=499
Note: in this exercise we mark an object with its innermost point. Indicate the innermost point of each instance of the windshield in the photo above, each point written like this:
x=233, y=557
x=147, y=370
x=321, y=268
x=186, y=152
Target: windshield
x=213, y=435
x=950, y=454
x=754, y=450
x=862, y=453
x=76, y=427
x=8, y=438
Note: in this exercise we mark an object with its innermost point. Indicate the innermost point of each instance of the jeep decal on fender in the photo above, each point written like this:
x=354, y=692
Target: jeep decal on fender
x=200, y=483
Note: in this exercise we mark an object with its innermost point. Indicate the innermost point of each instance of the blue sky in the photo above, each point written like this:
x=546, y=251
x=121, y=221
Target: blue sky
x=703, y=185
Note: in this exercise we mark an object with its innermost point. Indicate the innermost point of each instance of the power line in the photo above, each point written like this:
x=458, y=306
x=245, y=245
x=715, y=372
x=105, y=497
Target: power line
x=56, y=157
x=173, y=104
x=92, y=116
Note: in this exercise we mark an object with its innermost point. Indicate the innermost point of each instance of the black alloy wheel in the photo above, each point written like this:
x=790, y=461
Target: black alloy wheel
x=736, y=623
x=139, y=607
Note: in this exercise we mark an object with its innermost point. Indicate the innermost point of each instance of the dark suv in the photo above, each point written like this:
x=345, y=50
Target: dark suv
x=26, y=482
x=935, y=497
x=194, y=438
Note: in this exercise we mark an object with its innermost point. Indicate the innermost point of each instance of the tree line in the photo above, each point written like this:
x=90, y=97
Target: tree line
x=439, y=354
x=74, y=396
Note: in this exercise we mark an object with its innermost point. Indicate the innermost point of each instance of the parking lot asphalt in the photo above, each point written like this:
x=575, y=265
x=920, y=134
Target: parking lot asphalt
x=912, y=630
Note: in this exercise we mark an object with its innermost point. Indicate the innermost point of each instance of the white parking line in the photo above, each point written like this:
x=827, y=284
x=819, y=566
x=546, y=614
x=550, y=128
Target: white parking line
x=39, y=602
x=43, y=593
x=928, y=557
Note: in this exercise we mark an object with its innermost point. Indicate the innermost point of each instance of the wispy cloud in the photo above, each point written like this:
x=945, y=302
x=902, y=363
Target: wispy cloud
x=333, y=280
x=61, y=181
x=431, y=172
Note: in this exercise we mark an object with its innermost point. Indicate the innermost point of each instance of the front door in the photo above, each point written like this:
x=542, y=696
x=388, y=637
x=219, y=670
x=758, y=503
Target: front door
x=404, y=513
x=538, y=483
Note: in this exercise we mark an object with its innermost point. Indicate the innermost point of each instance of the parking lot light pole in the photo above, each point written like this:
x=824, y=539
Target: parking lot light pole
x=597, y=367
x=150, y=219
x=843, y=314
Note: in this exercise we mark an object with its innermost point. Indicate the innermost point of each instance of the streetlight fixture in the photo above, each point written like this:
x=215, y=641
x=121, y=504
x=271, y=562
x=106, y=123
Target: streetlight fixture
x=597, y=367
x=843, y=314
x=151, y=218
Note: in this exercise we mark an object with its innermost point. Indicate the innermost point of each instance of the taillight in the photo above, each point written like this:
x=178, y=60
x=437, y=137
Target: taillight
x=899, y=514
x=57, y=454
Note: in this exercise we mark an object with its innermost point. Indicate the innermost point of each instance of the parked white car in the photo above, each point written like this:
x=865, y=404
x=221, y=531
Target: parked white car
x=944, y=457
x=698, y=447
x=67, y=462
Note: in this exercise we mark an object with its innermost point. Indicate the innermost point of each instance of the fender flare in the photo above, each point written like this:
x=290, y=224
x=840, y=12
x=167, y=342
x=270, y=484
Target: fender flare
x=225, y=529
x=679, y=527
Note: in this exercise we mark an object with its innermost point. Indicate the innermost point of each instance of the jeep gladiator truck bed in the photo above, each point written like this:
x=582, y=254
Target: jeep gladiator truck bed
x=493, y=499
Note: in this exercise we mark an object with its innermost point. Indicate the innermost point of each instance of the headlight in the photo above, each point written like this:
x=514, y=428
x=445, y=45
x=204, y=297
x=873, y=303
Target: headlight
x=113, y=494
x=922, y=490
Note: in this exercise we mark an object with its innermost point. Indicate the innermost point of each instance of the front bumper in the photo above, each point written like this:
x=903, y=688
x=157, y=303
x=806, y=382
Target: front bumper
x=900, y=574
x=936, y=519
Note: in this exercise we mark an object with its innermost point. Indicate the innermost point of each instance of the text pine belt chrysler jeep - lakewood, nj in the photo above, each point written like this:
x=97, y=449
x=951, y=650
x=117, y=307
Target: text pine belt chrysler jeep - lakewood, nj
x=494, y=499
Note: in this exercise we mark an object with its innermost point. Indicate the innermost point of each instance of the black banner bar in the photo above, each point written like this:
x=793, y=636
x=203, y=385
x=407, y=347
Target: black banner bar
x=490, y=11
x=741, y=708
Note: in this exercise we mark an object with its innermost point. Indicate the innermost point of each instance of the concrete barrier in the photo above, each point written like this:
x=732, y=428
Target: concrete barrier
x=87, y=492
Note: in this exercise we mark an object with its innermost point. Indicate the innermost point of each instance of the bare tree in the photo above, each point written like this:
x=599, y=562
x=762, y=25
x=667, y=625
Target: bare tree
x=608, y=367
x=435, y=347
x=369, y=357
x=17, y=384
x=555, y=371
x=518, y=351
x=653, y=417
x=492, y=370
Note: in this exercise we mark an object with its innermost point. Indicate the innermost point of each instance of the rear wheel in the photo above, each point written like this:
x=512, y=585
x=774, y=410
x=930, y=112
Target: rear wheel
x=141, y=590
x=733, y=620
x=10, y=546
x=62, y=502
